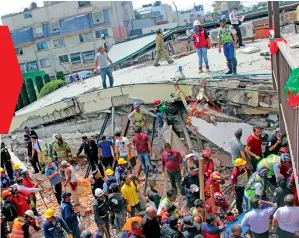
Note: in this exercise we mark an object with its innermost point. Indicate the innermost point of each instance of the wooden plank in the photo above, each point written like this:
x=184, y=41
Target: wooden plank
x=201, y=180
x=213, y=200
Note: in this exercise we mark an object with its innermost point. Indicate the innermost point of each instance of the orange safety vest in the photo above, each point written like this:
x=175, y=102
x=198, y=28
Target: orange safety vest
x=17, y=230
x=164, y=216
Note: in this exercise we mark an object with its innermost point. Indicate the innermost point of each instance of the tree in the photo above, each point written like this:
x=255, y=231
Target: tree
x=51, y=87
x=60, y=75
x=217, y=5
x=137, y=14
x=39, y=83
x=24, y=95
x=46, y=78
x=30, y=90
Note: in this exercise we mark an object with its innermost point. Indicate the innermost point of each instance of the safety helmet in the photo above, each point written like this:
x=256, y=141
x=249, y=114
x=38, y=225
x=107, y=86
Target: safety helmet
x=49, y=213
x=222, y=19
x=16, y=166
x=285, y=157
x=30, y=214
x=215, y=176
x=99, y=192
x=65, y=194
x=239, y=162
x=136, y=104
x=54, y=137
x=5, y=193
x=109, y=172
x=190, y=155
x=218, y=198
x=1, y=170
x=196, y=23
x=283, y=150
x=206, y=154
x=122, y=161
x=157, y=103
x=262, y=171
x=113, y=187
x=24, y=173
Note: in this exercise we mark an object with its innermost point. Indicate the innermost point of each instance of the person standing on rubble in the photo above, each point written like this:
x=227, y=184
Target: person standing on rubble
x=6, y=160
x=208, y=164
x=40, y=147
x=33, y=160
x=160, y=49
x=165, y=111
x=9, y=210
x=153, y=195
x=274, y=143
x=123, y=148
x=105, y=64
x=105, y=148
x=97, y=181
x=110, y=180
x=254, y=147
x=71, y=178
x=61, y=150
x=53, y=175
x=137, y=117
x=172, y=161
x=237, y=147
x=120, y=169
x=228, y=38
x=202, y=43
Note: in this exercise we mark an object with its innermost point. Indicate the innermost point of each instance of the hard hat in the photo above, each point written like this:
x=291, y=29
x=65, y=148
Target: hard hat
x=23, y=173
x=122, y=161
x=1, y=170
x=54, y=136
x=284, y=150
x=285, y=157
x=206, y=153
x=49, y=213
x=64, y=163
x=196, y=23
x=194, y=188
x=218, y=197
x=16, y=166
x=215, y=175
x=109, y=172
x=222, y=19
x=190, y=155
x=262, y=171
x=99, y=192
x=136, y=104
x=5, y=193
x=239, y=162
x=66, y=194
x=157, y=102
x=30, y=214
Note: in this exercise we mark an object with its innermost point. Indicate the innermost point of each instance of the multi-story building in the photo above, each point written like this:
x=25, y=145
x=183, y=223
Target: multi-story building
x=64, y=36
x=188, y=16
x=157, y=11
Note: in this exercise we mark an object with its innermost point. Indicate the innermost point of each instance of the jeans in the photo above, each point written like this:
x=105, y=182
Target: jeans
x=129, y=162
x=104, y=72
x=134, y=208
x=284, y=234
x=239, y=34
x=57, y=189
x=75, y=231
x=119, y=220
x=239, y=199
x=229, y=53
x=175, y=177
x=203, y=54
x=145, y=162
x=159, y=118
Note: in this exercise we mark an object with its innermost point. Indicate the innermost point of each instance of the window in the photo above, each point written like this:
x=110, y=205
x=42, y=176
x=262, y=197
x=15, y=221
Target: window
x=44, y=63
x=55, y=27
x=38, y=31
x=23, y=67
x=101, y=33
x=27, y=15
x=19, y=51
x=64, y=58
x=85, y=37
x=58, y=42
x=88, y=56
x=76, y=58
x=83, y=3
x=98, y=17
x=42, y=46
x=32, y=66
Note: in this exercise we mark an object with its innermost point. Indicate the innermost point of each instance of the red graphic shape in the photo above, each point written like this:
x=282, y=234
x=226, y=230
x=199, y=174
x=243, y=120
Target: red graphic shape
x=11, y=79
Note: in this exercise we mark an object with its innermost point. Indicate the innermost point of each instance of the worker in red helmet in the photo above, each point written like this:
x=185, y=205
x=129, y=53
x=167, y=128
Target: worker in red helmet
x=285, y=165
x=215, y=180
x=220, y=204
x=164, y=112
x=208, y=164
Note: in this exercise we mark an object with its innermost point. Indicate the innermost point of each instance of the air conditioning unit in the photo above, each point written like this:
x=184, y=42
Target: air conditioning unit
x=247, y=30
x=214, y=36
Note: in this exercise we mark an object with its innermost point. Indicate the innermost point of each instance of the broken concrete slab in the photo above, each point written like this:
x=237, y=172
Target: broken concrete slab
x=250, y=50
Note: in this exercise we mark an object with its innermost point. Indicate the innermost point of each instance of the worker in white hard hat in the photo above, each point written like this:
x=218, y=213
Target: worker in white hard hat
x=190, y=160
x=202, y=43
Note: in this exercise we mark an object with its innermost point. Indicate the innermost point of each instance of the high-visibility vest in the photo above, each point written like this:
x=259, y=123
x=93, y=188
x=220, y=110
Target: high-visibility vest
x=225, y=35
x=17, y=230
x=250, y=189
x=139, y=119
x=269, y=161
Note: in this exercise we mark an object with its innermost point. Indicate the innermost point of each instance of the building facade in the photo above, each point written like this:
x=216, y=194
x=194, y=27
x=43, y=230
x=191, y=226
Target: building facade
x=64, y=36
x=189, y=16
x=158, y=12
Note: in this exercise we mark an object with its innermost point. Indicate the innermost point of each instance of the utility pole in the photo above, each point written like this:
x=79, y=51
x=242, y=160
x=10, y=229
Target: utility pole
x=177, y=13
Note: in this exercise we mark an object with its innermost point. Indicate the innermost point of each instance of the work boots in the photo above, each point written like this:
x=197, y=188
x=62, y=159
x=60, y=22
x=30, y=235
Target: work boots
x=170, y=61
x=229, y=66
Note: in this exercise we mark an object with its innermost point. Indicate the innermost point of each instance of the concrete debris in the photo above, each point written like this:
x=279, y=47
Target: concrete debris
x=250, y=50
x=294, y=45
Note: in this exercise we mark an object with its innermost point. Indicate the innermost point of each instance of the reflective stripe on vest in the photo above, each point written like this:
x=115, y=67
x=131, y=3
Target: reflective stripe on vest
x=138, y=119
x=250, y=189
x=242, y=179
x=17, y=230
x=225, y=35
x=269, y=162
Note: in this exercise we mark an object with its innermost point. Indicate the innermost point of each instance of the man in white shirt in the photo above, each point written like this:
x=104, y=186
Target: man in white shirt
x=123, y=148
x=286, y=218
x=258, y=219
x=235, y=22
x=39, y=147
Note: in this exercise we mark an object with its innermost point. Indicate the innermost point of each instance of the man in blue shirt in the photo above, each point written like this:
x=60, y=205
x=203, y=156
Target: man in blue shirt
x=104, y=151
x=5, y=180
x=54, y=177
x=212, y=226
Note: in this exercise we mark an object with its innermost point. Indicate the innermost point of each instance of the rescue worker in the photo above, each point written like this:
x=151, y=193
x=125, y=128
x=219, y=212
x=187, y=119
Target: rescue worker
x=208, y=164
x=160, y=49
x=238, y=180
x=69, y=215
x=110, y=180
x=101, y=212
x=50, y=148
x=215, y=180
x=189, y=227
x=202, y=43
x=5, y=180
x=120, y=169
x=55, y=227
x=6, y=161
x=171, y=230
x=20, y=227
x=188, y=182
x=97, y=181
x=39, y=147
x=220, y=204
x=71, y=178
x=17, y=171
x=137, y=117
x=169, y=199
x=19, y=199
x=228, y=38
x=54, y=177
x=165, y=111
x=190, y=160
x=118, y=206
x=61, y=150
x=255, y=186
x=235, y=21
x=9, y=210
x=280, y=192
x=153, y=195
x=105, y=148
x=166, y=214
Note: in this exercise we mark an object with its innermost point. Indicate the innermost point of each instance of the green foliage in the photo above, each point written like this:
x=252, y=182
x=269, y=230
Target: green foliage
x=51, y=87
x=137, y=14
x=24, y=95
x=39, y=83
x=60, y=75
x=46, y=78
x=30, y=90
x=217, y=5
x=20, y=103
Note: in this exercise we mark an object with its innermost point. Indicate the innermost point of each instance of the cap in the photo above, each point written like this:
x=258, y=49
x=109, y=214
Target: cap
x=64, y=163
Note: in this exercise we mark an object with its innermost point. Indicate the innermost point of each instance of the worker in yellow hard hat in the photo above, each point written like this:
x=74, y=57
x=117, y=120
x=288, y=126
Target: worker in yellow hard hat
x=17, y=171
x=54, y=224
x=120, y=169
x=110, y=180
x=239, y=179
